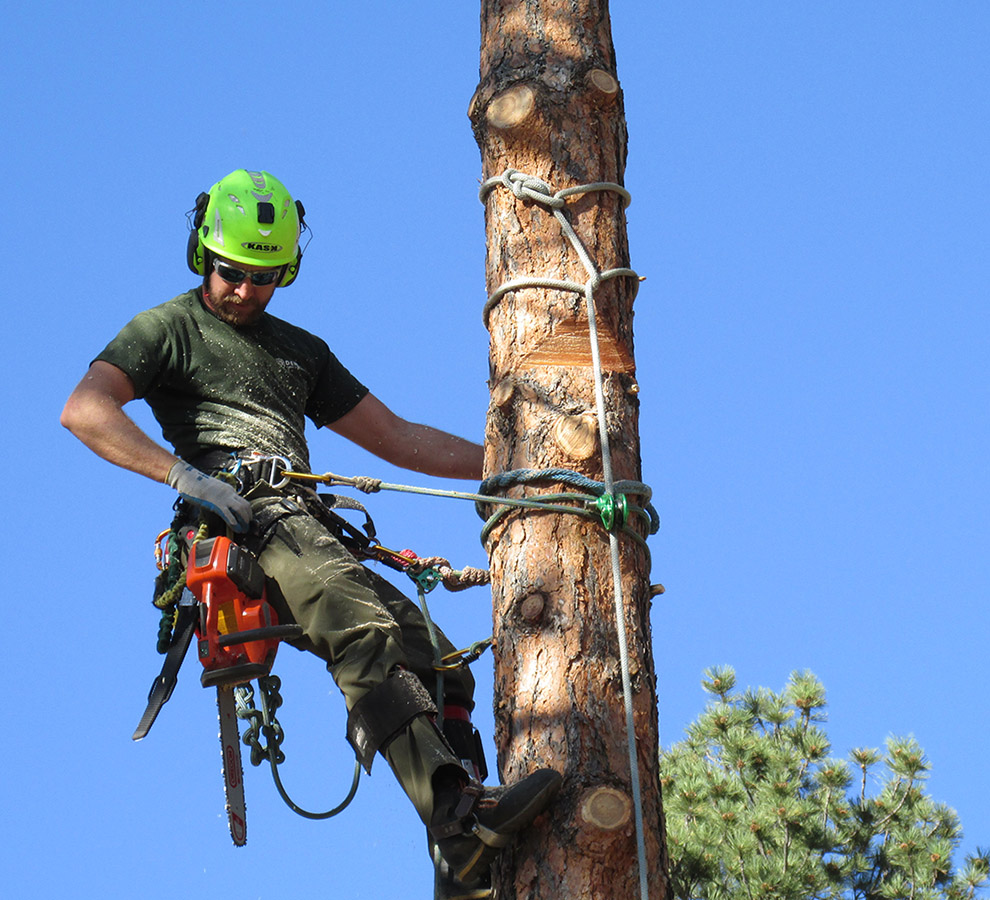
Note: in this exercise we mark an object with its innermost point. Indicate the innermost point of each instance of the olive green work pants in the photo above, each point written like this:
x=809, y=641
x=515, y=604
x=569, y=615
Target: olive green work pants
x=360, y=624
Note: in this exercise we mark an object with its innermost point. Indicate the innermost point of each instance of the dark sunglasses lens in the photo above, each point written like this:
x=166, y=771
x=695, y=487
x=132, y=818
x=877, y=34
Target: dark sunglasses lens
x=264, y=278
x=230, y=274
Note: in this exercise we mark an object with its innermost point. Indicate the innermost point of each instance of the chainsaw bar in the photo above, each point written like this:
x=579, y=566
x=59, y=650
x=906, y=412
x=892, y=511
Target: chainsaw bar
x=233, y=773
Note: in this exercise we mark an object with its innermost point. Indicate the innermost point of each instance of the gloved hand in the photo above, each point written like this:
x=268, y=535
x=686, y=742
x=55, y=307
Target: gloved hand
x=211, y=493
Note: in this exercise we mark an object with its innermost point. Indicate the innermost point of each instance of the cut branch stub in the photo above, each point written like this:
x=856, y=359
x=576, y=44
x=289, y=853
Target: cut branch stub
x=603, y=85
x=577, y=436
x=606, y=808
x=512, y=107
x=531, y=608
x=502, y=392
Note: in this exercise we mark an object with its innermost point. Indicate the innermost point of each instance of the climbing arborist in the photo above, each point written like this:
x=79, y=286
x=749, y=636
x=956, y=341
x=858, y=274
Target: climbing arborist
x=231, y=386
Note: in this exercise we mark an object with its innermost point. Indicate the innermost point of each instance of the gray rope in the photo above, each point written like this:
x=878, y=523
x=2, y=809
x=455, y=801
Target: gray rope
x=551, y=284
x=526, y=187
x=431, y=630
x=530, y=188
x=541, y=502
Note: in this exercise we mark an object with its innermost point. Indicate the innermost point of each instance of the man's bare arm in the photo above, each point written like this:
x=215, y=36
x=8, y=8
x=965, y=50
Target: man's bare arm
x=373, y=426
x=94, y=414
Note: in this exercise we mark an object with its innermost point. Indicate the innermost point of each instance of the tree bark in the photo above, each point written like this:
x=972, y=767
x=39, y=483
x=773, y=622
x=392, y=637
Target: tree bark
x=549, y=105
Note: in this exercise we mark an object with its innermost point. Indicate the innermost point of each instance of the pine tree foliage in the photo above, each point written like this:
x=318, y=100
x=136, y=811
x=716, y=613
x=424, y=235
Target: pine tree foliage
x=757, y=807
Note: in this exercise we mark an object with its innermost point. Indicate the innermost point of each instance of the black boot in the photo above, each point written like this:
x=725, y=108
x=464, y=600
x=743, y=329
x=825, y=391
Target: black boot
x=473, y=826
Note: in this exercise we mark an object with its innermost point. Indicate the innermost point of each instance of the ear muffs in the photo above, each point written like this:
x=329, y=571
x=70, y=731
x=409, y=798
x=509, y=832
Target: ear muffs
x=195, y=251
x=292, y=270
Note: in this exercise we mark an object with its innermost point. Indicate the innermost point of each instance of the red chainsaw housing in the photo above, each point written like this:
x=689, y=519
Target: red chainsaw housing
x=230, y=587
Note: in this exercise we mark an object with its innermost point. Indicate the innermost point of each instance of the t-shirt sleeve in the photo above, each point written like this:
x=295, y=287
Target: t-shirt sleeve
x=337, y=392
x=142, y=349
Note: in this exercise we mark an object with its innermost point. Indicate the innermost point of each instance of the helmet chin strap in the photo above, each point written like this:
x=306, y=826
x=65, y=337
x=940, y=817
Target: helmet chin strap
x=207, y=269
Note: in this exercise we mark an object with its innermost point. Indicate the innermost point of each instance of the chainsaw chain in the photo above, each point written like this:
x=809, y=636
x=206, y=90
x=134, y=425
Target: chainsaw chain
x=262, y=722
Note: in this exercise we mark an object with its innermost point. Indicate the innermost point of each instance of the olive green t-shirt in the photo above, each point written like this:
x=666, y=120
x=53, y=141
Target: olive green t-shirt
x=214, y=386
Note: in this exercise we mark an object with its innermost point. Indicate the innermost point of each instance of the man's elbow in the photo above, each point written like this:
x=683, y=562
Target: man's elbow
x=70, y=415
x=81, y=411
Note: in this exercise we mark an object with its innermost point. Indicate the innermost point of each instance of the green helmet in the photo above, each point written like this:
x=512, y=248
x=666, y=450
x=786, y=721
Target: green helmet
x=247, y=217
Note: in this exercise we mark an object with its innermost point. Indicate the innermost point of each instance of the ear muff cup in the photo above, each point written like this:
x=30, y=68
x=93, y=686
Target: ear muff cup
x=195, y=251
x=292, y=270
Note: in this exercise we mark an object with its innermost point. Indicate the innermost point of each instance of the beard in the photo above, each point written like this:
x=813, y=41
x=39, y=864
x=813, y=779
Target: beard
x=230, y=308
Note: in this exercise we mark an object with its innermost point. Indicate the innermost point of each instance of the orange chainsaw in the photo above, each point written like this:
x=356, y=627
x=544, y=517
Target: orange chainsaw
x=237, y=633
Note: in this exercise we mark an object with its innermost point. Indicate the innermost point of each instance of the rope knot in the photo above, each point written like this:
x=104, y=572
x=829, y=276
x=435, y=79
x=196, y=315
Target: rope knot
x=528, y=187
x=366, y=484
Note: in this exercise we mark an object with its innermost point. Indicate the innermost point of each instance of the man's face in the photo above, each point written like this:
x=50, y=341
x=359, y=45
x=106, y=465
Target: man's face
x=237, y=304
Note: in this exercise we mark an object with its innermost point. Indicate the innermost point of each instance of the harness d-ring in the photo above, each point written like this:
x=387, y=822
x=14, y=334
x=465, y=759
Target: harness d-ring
x=277, y=463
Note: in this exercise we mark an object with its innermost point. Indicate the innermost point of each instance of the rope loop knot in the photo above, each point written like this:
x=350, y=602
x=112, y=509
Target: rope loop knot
x=529, y=187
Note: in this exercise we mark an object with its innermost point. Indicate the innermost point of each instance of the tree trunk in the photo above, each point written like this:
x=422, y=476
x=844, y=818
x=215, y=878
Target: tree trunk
x=549, y=105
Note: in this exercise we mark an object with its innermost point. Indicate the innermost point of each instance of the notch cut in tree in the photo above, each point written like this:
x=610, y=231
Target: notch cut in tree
x=549, y=105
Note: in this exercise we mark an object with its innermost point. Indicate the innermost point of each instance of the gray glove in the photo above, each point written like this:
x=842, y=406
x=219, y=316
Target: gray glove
x=211, y=493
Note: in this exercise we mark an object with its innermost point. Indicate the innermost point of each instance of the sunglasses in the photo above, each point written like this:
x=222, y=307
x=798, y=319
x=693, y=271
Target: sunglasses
x=233, y=275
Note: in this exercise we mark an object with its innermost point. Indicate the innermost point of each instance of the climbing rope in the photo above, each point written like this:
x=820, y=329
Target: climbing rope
x=591, y=503
x=527, y=187
x=433, y=569
x=611, y=508
x=424, y=584
x=427, y=574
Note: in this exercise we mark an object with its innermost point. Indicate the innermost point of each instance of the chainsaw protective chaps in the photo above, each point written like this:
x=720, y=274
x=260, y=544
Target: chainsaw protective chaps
x=385, y=711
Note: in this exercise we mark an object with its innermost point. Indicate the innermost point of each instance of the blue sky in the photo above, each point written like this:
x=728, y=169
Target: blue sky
x=809, y=190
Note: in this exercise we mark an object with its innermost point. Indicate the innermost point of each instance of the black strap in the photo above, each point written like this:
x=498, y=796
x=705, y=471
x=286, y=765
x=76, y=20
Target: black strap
x=330, y=502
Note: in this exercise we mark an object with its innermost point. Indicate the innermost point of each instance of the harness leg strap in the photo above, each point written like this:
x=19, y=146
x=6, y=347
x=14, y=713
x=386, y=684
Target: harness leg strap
x=384, y=711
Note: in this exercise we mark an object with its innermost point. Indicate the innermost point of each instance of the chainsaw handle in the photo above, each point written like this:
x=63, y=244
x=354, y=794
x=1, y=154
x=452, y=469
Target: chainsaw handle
x=270, y=633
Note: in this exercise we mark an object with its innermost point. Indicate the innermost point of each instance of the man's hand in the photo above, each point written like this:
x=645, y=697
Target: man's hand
x=211, y=493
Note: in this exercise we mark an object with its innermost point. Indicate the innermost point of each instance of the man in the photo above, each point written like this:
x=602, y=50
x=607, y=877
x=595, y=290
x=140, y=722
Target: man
x=231, y=384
